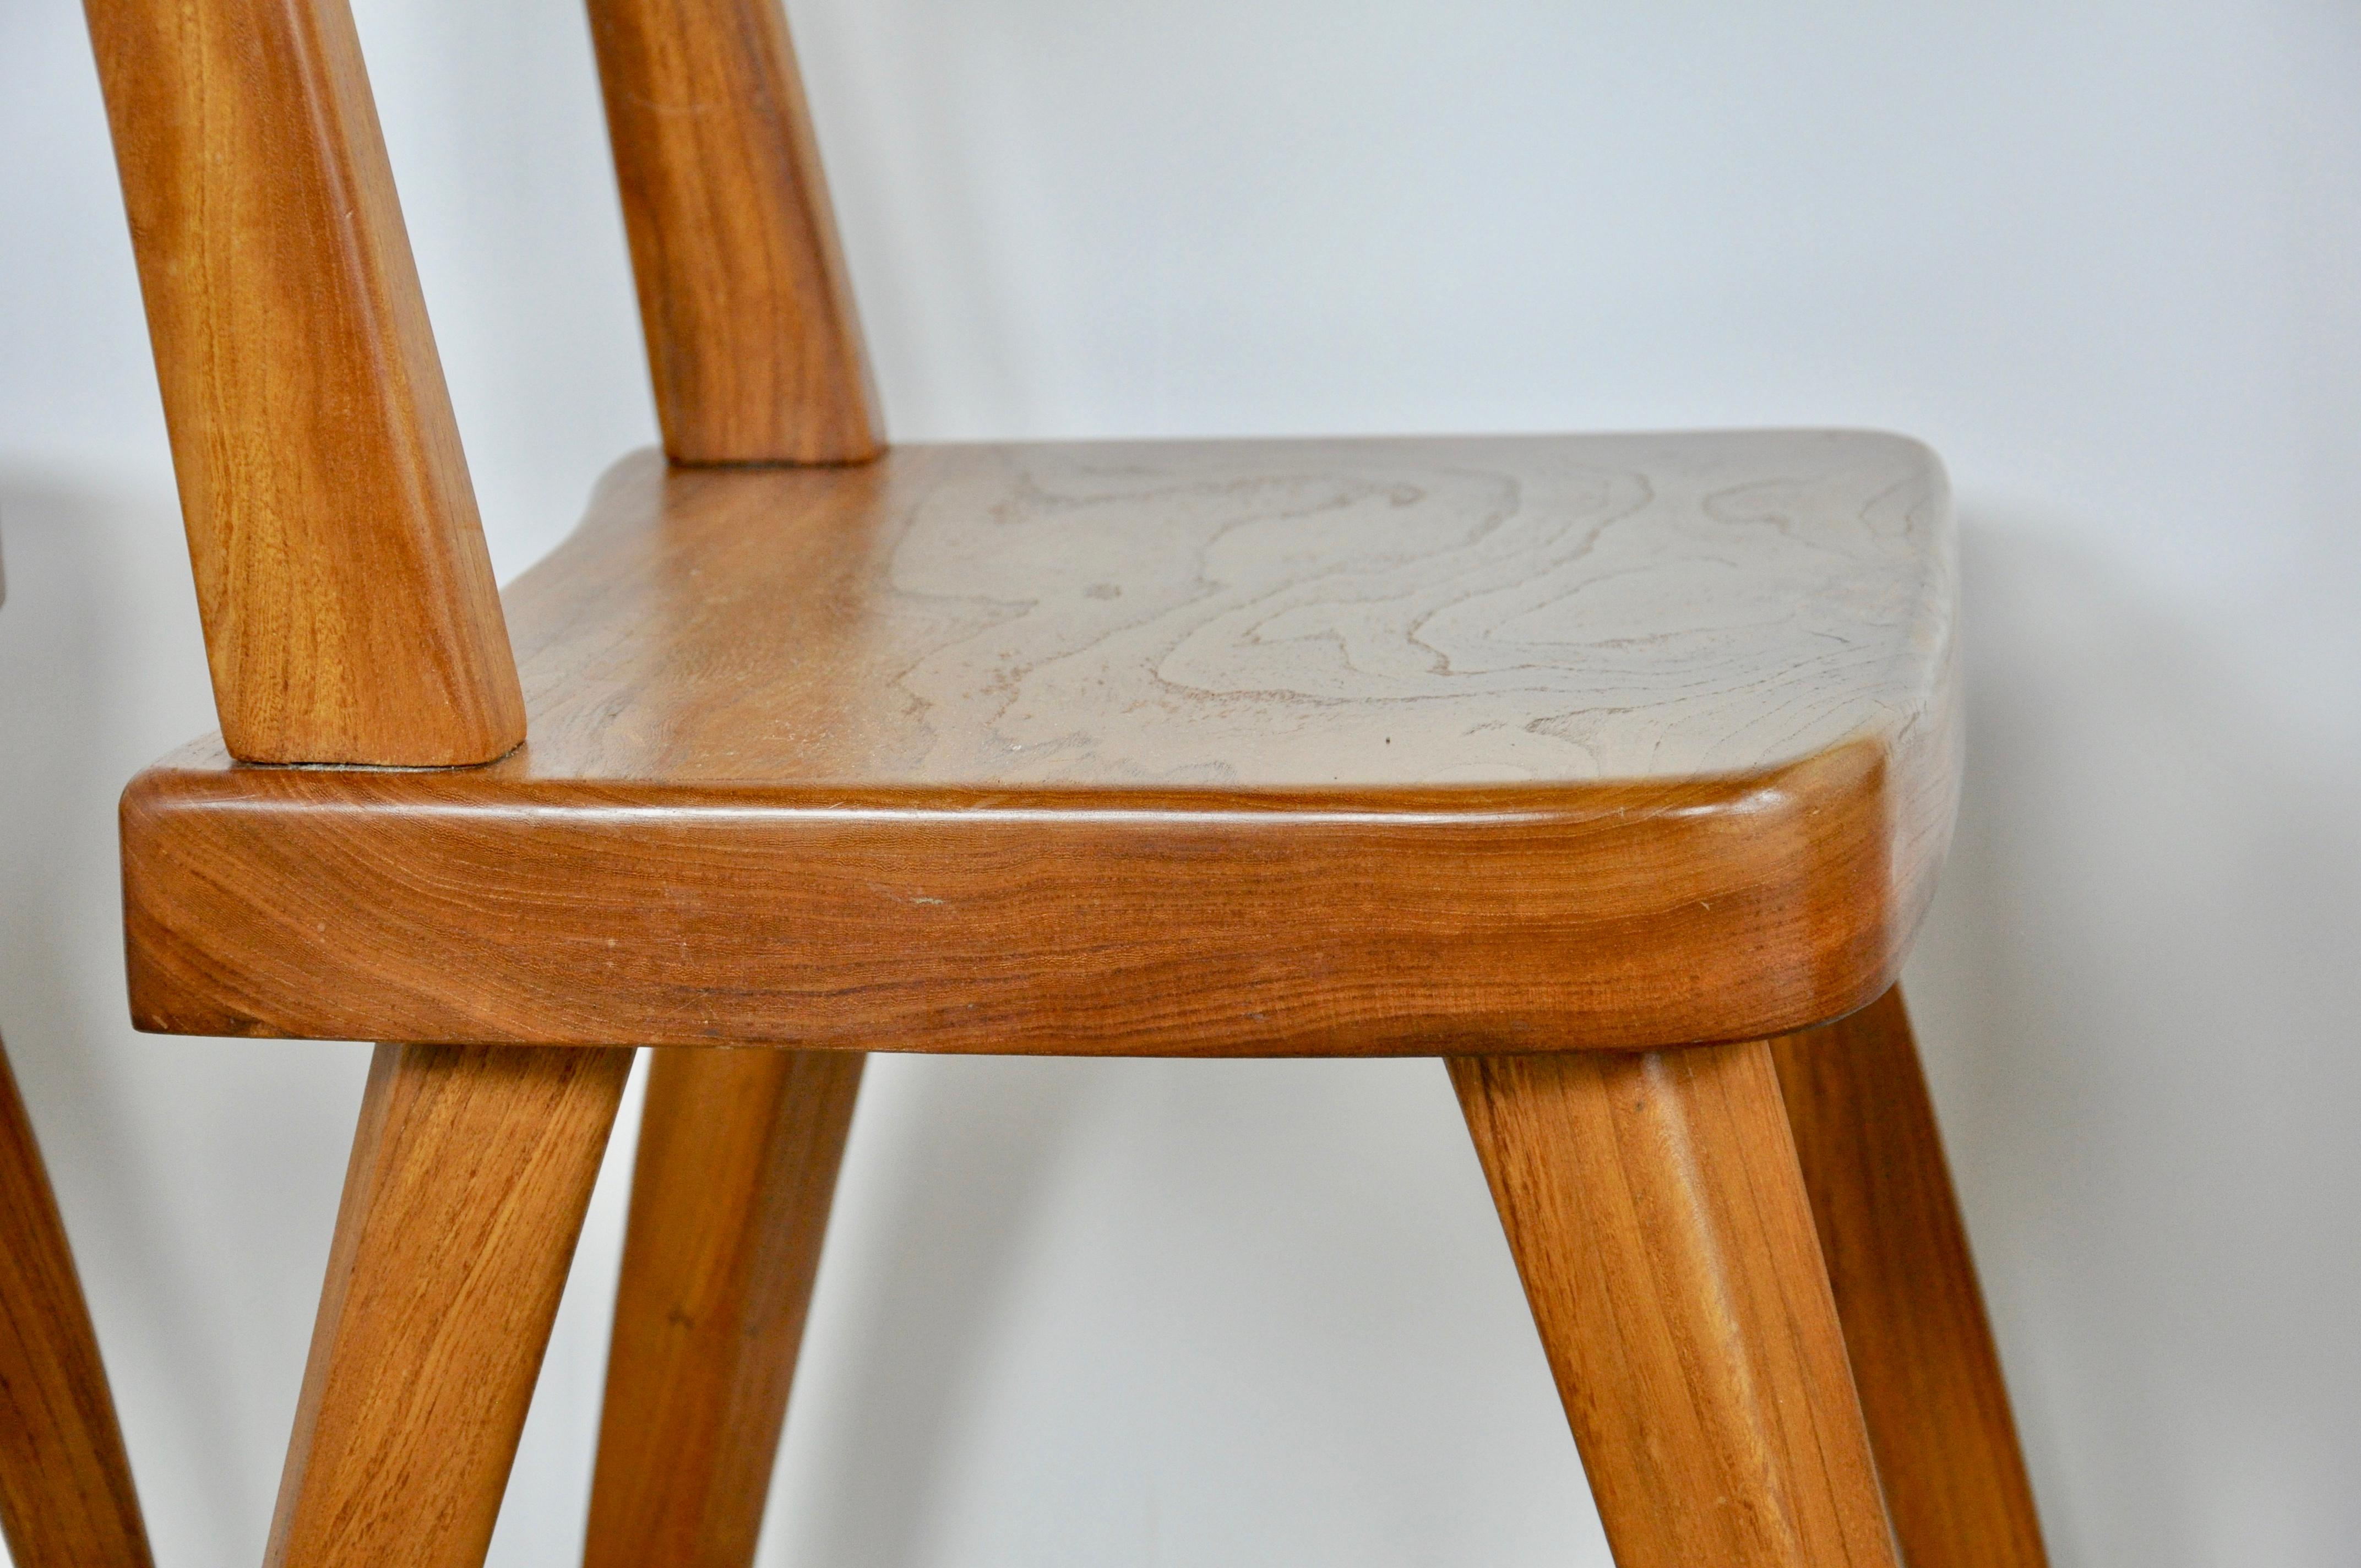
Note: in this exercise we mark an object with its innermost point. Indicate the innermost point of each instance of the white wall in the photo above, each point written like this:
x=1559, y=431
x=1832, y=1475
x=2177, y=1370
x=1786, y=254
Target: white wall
x=2102, y=255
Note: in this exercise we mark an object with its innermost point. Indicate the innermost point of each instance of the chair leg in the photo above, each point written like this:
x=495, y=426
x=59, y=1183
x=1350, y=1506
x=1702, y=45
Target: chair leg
x=470, y=1174
x=737, y=1161
x=66, y=1499
x=1658, y=1217
x=1914, y=1319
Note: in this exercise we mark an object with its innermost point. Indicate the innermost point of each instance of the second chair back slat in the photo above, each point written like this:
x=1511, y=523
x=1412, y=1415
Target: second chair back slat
x=753, y=339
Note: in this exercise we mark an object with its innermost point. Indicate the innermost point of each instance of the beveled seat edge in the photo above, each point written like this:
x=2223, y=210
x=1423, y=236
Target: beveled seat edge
x=344, y=904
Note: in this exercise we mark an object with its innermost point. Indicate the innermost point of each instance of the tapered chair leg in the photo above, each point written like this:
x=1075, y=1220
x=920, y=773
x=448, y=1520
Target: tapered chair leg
x=738, y=1160
x=65, y=1486
x=1914, y=1318
x=1658, y=1219
x=470, y=1177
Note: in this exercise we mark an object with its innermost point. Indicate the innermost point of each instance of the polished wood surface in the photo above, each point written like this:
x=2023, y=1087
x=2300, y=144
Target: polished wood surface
x=1659, y=1220
x=738, y=1160
x=1914, y=1317
x=928, y=754
x=1591, y=746
x=66, y=1497
x=752, y=338
x=349, y=609
x=1119, y=615
x=470, y=1174
x=1350, y=615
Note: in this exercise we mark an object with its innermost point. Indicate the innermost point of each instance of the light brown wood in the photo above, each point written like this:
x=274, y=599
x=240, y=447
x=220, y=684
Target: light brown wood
x=349, y=609
x=1659, y=1221
x=1533, y=612
x=66, y=1497
x=753, y=339
x=738, y=1153
x=1196, y=749
x=470, y=1174
x=1914, y=1317
x=1590, y=746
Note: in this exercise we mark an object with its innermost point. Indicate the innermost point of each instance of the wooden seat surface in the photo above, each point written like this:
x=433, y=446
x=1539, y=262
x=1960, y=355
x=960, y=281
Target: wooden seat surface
x=1496, y=744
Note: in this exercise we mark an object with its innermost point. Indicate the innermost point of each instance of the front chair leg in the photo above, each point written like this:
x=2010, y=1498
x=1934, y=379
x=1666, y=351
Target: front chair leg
x=1660, y=1223
x=470, y=1177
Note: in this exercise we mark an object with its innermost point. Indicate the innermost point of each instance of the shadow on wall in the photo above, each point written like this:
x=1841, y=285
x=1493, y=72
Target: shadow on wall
x=944, y=1220
x=1183, y=1313
x=2137, y=997
x=198, y=1178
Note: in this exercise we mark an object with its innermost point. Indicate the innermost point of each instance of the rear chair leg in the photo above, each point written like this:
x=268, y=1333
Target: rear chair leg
x=1922, y=1352
x=469, y=1177
x=1659, y=1220
x=738, y=1159
x=65, y=1486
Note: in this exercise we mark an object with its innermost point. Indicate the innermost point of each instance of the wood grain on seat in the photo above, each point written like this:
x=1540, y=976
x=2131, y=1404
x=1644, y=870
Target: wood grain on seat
x=1331, y=746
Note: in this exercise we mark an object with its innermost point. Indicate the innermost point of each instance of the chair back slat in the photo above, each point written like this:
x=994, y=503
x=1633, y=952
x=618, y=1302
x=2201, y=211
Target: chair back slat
x=349, y=609
x=752, y=340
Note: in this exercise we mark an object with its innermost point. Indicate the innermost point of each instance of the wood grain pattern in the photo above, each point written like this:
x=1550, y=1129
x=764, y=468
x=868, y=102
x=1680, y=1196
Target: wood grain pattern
x=1659, y=1221
x=1247, y=615
x=294, y=906
x=349, y=609
x=66, y=1497
x=738, y=1160
x=753, y=339
x=1914, y=1317
x=791, y=783
x=470, y=1174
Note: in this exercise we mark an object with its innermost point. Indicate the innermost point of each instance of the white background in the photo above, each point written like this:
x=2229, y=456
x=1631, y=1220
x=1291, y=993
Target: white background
x=2103, y=256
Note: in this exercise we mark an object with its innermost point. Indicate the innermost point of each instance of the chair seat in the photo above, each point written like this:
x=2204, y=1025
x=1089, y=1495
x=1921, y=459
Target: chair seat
x=1346, y=747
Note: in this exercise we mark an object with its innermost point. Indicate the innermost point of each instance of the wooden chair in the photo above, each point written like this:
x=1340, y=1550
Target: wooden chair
x=66, y=1499
x=1615, y=770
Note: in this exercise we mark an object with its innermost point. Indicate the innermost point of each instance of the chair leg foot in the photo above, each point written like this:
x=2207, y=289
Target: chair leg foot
x=738, y=1160
x=66, y=1499
x=470, y=1174
x=1659, y=1223
x=1914, y=1318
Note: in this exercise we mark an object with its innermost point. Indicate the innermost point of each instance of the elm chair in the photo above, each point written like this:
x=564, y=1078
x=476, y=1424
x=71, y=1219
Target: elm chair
x=66, y=1499
x=1615, y=770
